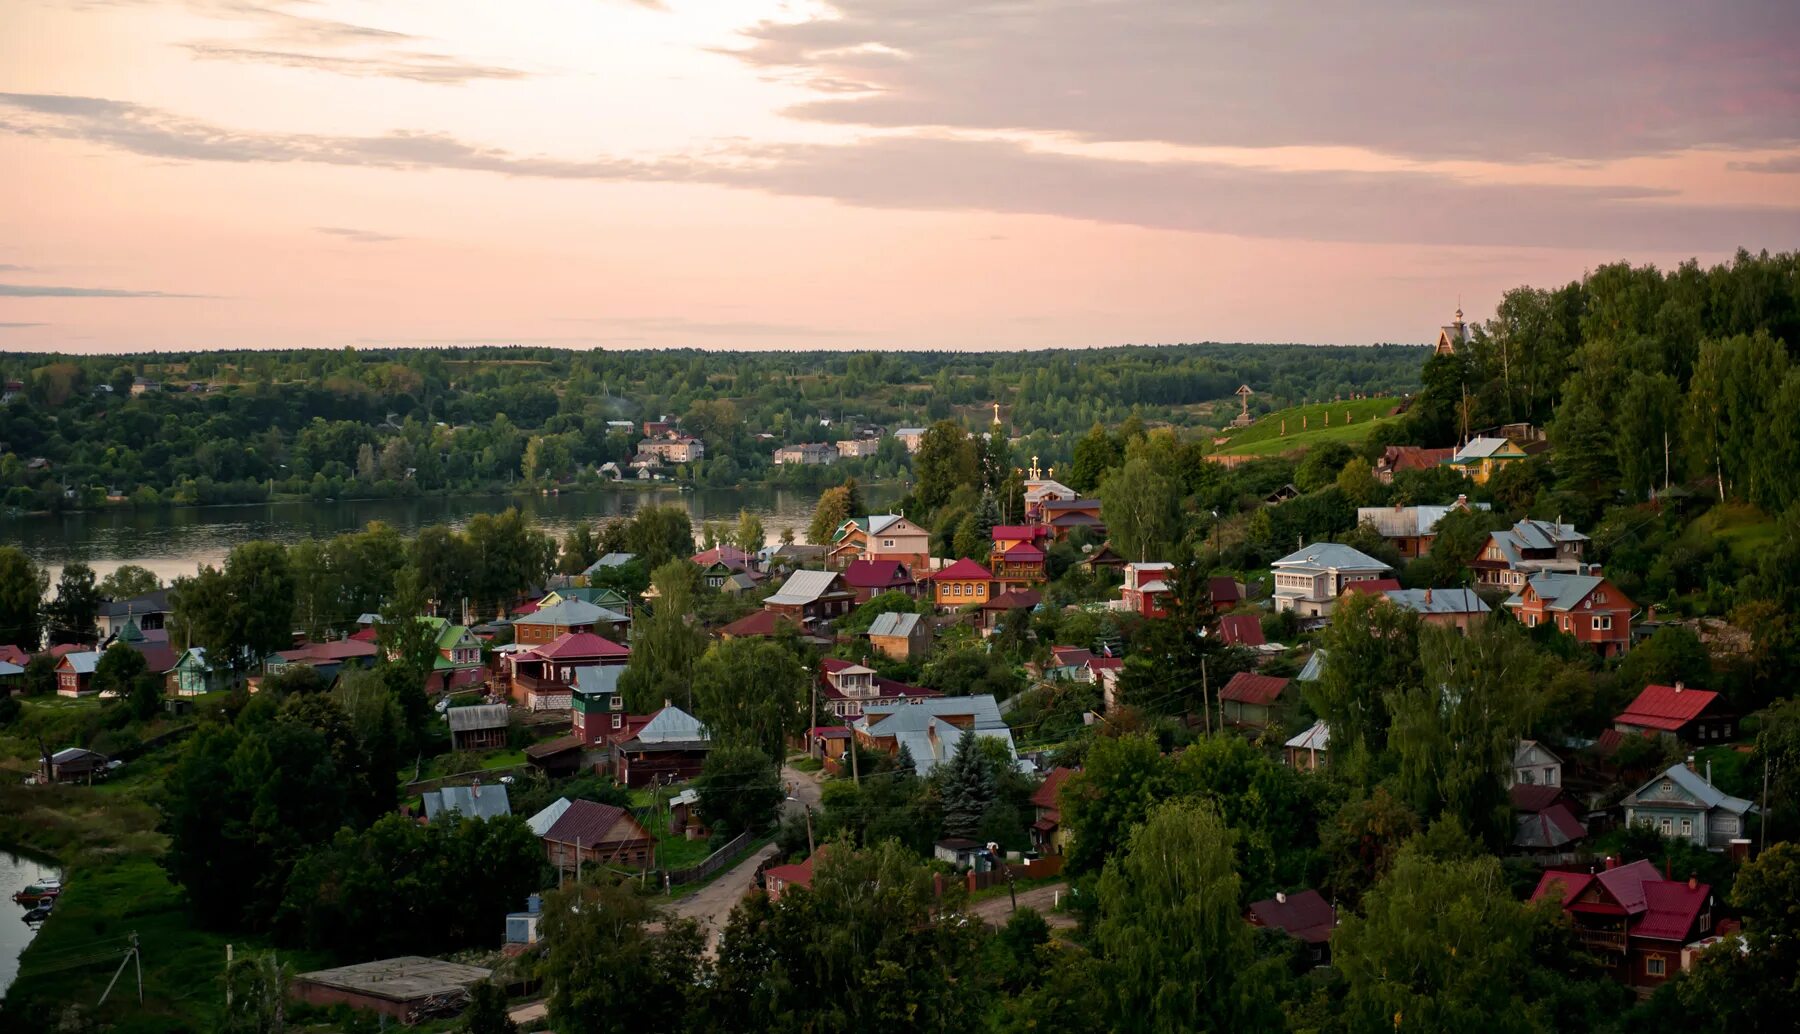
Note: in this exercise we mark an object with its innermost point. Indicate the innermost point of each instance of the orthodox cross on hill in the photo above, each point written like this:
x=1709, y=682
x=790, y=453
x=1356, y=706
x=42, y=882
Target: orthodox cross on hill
x=1243, y=394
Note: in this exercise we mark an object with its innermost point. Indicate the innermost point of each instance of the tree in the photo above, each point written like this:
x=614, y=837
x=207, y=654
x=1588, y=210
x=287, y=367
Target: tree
x=1370, y=648
x=1095, y=455
x=579, y=549
x=258, y=990
x=658, y=534
x=1123, y=778
x=243, y=613
x=22, y=585
x=667, y=645
x=607, y=970
x=1141, y=507
x=749, y=536
x=947, y=460
x=748, y=692
x=966, y=786
x=1360, y=842
x=117, y=669
x=127, y=581
x=1172, y=931
x=71, y=615
x=1357, y=481
x=739, y=789
x=408, y=644
x=487, y=1012
x=829, y=515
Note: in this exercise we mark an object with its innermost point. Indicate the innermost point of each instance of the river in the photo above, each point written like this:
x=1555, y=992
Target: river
x=174, y=541
x=16, y=873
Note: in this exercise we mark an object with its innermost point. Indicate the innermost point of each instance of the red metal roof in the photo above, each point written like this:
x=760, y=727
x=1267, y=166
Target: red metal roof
x=1241, y=630
x=1373, y=586
x=576, y=645
x=592, y=823
x=964, y=569
x=763, y=622
x=876, y=574
x=730, y=556
x=1666, y=707
x=1305, y=915
x=1223, y=590
x=1019, y=532
x=1045, y=795
x=1246, y=688
x=887, y=687
x=13, y=655
x=1023, y=552
x=1671, y=908
x=1533, y=797
x=1026, y=598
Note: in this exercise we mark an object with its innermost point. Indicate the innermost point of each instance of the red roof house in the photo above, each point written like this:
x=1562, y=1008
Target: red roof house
x=1632, y=918
x=1545, y=819
x=1250, y=699
x=760, y=623
x=1241, y=630
x=994, y=611
x=1686, y=714
x=777, y=879
x=1046, y=826
x=845, y=688
x=1304, y=915
x=870, y=578
x=1225, y=592
x=541, y=677
x=1373, y=586
x=588, y=833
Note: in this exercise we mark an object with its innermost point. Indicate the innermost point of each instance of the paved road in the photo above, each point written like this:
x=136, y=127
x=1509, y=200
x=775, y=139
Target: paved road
x=995, y=911
x=712, y=904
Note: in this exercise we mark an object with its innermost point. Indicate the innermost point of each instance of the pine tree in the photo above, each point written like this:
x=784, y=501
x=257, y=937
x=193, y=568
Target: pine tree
x=967, y=790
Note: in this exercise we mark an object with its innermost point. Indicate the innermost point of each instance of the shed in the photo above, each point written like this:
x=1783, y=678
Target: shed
x=74, y=764
x=481, y=727
x=407, y=988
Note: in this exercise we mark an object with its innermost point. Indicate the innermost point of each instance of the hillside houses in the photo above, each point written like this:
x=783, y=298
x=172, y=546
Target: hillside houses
x=1512, y=556
x=882, y=536
x=1310, y=581
x=1588, y=607
x=1411, y=529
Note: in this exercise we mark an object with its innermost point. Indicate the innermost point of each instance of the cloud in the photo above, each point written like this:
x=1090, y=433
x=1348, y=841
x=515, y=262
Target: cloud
x=1529, y=80
x=1783, y=163
x=942, y=174
x=17, y=326
x=289, y=40
x=723, y=328
x=7, y=267
x=358, y=236
x=42, y=291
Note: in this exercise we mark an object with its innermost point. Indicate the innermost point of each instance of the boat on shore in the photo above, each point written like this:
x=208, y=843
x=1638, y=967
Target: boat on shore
x=38, y=893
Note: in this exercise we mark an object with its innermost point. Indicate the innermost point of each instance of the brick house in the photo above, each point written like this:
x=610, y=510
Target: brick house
x=1512, y=556
x=540, y=677
x=1586, y=606
x=560, y=619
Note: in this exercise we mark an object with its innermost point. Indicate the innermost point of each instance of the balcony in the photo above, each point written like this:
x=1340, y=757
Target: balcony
x=1008, y=571
x=535, y=684
x=1602, y=940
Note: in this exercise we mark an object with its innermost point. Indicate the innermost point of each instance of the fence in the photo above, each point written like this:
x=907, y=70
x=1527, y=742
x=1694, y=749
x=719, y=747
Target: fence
x=712, y=863
x=486, y=775
x=1030, y=869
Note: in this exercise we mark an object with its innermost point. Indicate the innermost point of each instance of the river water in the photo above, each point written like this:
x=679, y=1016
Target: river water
x=16, y=873
x=173, y=541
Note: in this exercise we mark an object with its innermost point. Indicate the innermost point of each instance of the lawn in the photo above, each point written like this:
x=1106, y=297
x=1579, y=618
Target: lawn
x=673, y=851
x=1746, y=529
x=1306, y=426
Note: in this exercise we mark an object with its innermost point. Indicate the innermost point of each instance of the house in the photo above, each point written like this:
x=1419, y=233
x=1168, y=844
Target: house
x=659, y=428
x=73, y=765
x=1017, y=556
x=1411, y=529
x=478, y=727
x=569, y=615
x=541, y=676
x=1460, y=609
x=1481, y=457
x=1544, y=819
x=1371, y=587
x=1041, y=490
x=556, y=758
x=848, y=690
x=1454, y=336
x=1396, y=458
x=1102, y=557
x=790, y=555
x=1281, y=495
x=540, y=823
x=11, y=390
x=900, y=637
x=606, y=599
x=1630, y=918
x=999, y=605
x=458, y=661
x=1586, y=606
x=961, y=584
x=931, y=728
x=758, y=624
x=150, y=611
x=670, y=747
x=1309, y=749
x=1677, y=712
x=328, y=659
x=143, y=385
x=606, y=563
x=1225, y=592
x=402, y=989
x=10, y=676
x=857, y=448
x=870, y=578
x=587, y=833
x=719, y=563
x=192, y=676
x=963, y=854
x=910, y=437
x=881, y=536
x=741, y=583
x=1065, y=516
x=1070, y=664
x=668, y=451
x=1682, y=803
x=75, y=673
x=778, y=879
x=1511, y=557
x=810, y=454
x=1534, y=764
x=1047, y=834
x=1146, y=589
x=1252, y=700
x=1304, y=915
x=1241, y=630
x=1310, y=581
x=596, y=707
x=474, y=801
x=811, y=597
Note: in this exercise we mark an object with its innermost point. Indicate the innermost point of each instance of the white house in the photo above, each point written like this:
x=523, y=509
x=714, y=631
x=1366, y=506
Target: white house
x=1309, y=582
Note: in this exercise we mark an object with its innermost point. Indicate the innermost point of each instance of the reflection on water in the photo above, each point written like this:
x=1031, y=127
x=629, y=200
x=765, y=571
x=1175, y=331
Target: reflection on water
x=173, y=541
x=16, y=873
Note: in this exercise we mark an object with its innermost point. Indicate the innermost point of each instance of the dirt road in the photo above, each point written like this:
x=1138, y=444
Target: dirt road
x=995, y=911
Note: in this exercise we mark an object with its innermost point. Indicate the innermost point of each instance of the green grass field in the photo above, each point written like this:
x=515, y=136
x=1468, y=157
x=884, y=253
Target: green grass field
x=1306, y=427
x=1746, y=529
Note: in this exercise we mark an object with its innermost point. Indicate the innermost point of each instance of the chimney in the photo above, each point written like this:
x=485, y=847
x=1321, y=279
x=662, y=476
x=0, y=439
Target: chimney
x=1690, y=764
x=1693, y=881
x=1708, y=771
x=1280, y=897
x=1678, y=686
x=1611, y=863
x=932, y=735
x=1428, y=596
x=475, y=788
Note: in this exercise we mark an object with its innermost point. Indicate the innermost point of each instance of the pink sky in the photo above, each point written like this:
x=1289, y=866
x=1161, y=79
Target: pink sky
x=932, y=174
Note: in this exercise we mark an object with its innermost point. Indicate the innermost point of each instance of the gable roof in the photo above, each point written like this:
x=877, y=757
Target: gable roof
x=1411, y=521
x=1482, y=448
x=1703, y=792
x=1332, y=555
x=1014, y=599
x=572, y=612
x=1439, y=601
x=1304, y=915
x=589, y=823
x=886, y=687
x=1045, y=796
x=757, y=623
x=547, y=816
x=924, y=729
x=477, y=717
x=1559, y=591
x=474, y=801
x=1314, y=667
x=1666, y=707
x=597, y=679
x=580, y=644
x=1373, y=586
x=730, y=556
x=154, y=602
x=964, y=569
x=1317, y=737
x=1224, y=590
x=1019, y=551
x=894, y=623
x=1019, y=532
x=672, y=725
x=1241, y=630
x=610, y=560
x=876, y=574
x=1670, y=909
x=803, y=587
x=81, y=662
x=1248, y=688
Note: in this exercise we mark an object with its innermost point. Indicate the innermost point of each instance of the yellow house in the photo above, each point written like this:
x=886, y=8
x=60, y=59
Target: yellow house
x=1478, y=460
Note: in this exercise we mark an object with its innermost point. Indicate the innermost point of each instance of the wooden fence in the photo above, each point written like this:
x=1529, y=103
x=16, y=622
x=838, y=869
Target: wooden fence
x=712, y=863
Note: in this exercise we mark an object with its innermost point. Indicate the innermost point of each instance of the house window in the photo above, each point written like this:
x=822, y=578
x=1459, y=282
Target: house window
x=1599, y=597
x=1549, y=777
x=1603, y=624
x=1526, y=776
x=1727, y=823
x=887, y=542
x=1654, y=966
x=1667, y=827
x=1687, y=827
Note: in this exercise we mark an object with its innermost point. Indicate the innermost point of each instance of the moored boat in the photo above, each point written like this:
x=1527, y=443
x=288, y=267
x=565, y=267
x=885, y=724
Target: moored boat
x=36, y=893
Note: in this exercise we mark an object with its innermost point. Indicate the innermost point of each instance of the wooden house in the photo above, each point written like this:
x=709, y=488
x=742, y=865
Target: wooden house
x=669, y=748
x=1690, y=715
x=587, y=833
x=900, y=637
x=1631, y=918
x=961, y=584
x=478, y=727
x=1252, y=700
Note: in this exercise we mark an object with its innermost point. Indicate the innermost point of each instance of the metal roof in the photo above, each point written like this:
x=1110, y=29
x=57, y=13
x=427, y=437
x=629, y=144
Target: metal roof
x=894, y=623
x=1331, y=555
x=1479, y=448
x=573, y=612
x=474, y=802
x=545, y=818
x=1439, y=601
x=1317, y=737
x=803, y=587
x=480, y=716
x=598, y=679
x=1696, y=786
x=673, y=725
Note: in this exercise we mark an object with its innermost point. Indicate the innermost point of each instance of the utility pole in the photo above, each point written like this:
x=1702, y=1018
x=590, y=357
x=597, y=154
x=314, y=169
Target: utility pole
x=1205, y=697
x=855, y=776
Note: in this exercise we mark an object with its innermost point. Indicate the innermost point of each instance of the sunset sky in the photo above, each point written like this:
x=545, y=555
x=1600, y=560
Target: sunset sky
x=865, y=173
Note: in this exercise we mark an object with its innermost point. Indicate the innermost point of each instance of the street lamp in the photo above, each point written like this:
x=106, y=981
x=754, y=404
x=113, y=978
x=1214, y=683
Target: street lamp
x=809, y=833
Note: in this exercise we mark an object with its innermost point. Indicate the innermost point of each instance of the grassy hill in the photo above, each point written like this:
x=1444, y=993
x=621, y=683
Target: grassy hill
x=1306, y=426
